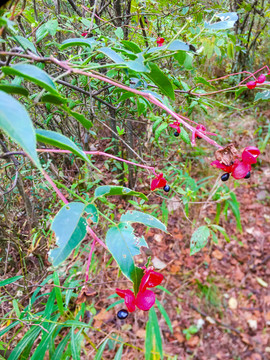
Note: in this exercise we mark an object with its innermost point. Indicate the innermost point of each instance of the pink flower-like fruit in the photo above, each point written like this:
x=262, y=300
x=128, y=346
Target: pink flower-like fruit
x=261, y=79
x=145, y=298
x=158, y=182
x=160, y=41
x=176, y=126
x=251, y=84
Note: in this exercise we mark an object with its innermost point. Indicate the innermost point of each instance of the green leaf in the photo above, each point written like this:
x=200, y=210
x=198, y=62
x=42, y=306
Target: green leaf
x=53, y=99
x=214, y=237
x=199, y=239
x=70, y=229
x=14, y=89
x=33, y=74
x=180, y=56
x=159, y=130
x=58, y=293
x=43, y=345
x=61, y=141
x=121, y=301
x=178, y=45
x=184, y=136
x=52, y=26
x=221, y=25
x=137, y=65
x=75, y=343
x=77, y=42
x=16, y=123
x=234, y=205
x=91, y=213
x=100, y=350
x=118, y=355
x=154, y=322
x=124, y=245
x=29, y=337
x=157, y=120
x=134, y=216
x=25, y=43
x=130, y=45
x=60, y=348
x=10, y=280
x=80, y=117
x=117, y=190
x=265, y=95
x=222, y=231
x=119, y=33
x=112, y=55
x=165, y=315
x=160, y=80
x=149, y=340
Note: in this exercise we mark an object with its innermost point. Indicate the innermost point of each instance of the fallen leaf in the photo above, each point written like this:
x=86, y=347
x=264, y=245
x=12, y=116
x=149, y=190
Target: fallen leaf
x=262, y=282
x=232, y=303
x=256, y=356
x=158, y=237
x=102, y=316
x=179, y=336
x=193, y=341
x=141, y=333
x=253, y=325
x=217, y=254
x=158, y=264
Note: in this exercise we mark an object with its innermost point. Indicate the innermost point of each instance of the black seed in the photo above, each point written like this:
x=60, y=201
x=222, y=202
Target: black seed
x=176, y=134
x=248, y=175
x=166, y=188
x=122, y=314
x=225, y=177
x=198, y=137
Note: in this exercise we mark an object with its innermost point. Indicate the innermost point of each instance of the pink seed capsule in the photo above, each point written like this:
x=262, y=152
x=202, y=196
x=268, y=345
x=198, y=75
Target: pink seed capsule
x=261, y=79
x=251, y=84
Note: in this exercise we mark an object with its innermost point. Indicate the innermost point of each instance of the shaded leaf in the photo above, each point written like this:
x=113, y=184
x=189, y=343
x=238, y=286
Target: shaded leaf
x=10, y=280
x=124, y=245
x=199, y=239
x=14, y=89
x=112, y=55
x=70, y=229
x=60, y=141
x=160, y=80
x=16, y=123
x=265, y=95
x=109, y=190
x=77, y=42
x=33, y=74
x=134, y=216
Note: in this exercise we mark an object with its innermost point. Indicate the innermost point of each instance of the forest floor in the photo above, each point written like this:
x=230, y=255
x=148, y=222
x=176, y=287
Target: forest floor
x=223, y=289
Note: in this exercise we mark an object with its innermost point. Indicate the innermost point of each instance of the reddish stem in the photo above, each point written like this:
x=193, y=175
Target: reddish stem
x=95, y=237
x=89, y=260
x=101, y=153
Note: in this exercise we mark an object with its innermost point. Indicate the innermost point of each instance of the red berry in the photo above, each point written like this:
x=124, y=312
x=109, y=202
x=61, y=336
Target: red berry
x=251, y=84
x=261, y=79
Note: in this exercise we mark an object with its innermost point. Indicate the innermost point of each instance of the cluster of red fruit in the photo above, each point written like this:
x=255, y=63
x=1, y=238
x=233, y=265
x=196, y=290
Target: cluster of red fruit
x=252, y=84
